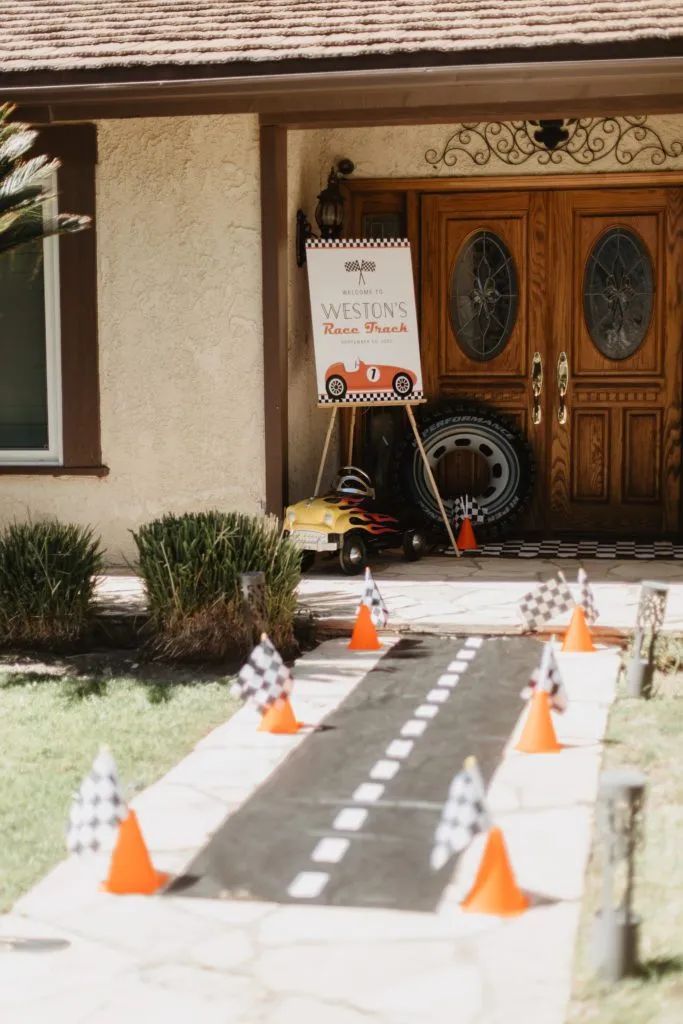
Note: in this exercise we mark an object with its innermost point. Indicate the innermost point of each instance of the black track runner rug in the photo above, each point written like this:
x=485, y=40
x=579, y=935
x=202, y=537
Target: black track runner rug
x=265, y=850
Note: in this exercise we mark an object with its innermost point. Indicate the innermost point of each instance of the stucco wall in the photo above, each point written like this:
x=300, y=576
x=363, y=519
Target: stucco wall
x=400, y=152
x=307, y=424
x=181, y=352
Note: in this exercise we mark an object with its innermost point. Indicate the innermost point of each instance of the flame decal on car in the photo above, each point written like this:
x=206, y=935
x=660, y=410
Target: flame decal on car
x=375, y=522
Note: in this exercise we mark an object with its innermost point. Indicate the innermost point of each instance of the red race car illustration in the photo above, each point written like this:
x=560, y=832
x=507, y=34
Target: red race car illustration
x=368, y=377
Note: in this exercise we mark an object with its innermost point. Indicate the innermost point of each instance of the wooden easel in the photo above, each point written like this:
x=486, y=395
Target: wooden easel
x=418, y=440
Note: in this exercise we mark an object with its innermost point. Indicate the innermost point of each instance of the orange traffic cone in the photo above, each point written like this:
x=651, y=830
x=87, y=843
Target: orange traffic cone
x=279, y=718
x=538, y=735
x=495, y=890
x=466, y=540
x=364, y=637
x=578, y=637
x=131, y=870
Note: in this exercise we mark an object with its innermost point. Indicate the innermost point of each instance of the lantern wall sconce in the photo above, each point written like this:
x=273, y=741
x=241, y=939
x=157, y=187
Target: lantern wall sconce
x=329, y=211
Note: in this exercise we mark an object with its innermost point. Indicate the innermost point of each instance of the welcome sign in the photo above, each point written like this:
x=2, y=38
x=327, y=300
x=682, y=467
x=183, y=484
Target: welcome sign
x=365, y=334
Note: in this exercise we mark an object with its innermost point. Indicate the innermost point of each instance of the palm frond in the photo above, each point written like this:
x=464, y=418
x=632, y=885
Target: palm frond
x=27, y=228
x=15, y=144
x=31, y=195
x=23, y=191
x=26, y=173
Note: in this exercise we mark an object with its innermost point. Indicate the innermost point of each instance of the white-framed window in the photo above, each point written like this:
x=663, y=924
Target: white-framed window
x=30, y=352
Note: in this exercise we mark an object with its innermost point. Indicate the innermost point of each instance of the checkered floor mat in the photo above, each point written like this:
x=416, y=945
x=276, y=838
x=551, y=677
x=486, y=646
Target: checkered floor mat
x=580, y=549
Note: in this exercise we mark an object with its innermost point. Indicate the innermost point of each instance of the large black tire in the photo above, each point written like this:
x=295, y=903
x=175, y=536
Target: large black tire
x=467, y=427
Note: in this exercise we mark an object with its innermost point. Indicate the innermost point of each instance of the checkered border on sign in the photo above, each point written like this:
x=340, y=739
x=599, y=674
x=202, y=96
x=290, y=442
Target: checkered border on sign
x=358, y=243
x=371, y=396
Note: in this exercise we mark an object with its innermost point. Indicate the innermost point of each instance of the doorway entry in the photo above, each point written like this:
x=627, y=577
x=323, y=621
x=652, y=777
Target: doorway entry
x=562, y=308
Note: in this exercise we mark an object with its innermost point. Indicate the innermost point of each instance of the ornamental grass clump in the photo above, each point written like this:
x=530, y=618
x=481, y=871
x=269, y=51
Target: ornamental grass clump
x=47, y=579
x=191, y=566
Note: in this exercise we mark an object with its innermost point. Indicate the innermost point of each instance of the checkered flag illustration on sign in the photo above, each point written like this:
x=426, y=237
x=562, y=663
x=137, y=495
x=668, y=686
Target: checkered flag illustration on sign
x=587, y=598
x=264, y=677
x=375, y=602
x=549, y=678
x=468, y=508
x=463, y=816
x=98, y=808
x=362, y=266
x=550, y=598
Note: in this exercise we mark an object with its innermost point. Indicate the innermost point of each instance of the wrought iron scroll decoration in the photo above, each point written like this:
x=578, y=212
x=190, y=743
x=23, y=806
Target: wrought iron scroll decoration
x=583, y=141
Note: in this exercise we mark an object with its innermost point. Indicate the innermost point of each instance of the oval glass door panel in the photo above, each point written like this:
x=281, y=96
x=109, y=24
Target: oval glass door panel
x=483, y=296
x=618, y=293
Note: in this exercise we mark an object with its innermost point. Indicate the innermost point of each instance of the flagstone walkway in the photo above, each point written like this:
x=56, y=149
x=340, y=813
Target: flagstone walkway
x=442, y=594
x=107, y=959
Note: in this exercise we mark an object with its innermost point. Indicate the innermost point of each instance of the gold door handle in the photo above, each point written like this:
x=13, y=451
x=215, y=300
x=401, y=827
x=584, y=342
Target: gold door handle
x=562, y=385
x=536, y=387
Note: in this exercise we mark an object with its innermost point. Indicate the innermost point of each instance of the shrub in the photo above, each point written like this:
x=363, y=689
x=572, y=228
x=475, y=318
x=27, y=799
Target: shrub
x=47, y=572
x=191, y=566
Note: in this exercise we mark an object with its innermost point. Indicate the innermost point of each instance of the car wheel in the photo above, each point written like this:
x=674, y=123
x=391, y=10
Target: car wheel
x=402, y=384
x=353, y=554
x=459, y=426
x=307, y=560
x=336, y=387
x=414, y=545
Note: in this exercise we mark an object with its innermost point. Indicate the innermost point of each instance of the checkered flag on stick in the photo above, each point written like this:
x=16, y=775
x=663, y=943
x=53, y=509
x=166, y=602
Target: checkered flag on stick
x=587, y=598
x=548, y=678
x=375, y=602
x=550, y=598
x=264, y=678
x=463, y=816
x=97, y=809
x=468, y=508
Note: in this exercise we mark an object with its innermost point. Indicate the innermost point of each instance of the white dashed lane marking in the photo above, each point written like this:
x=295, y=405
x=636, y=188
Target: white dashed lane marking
x=308, y=884
x=438, y=696
x=368, y=792
x=414, y=727
x=350, y=819
x=384, y=769
x=332, y=849
x=401, y=748
x=426, y=711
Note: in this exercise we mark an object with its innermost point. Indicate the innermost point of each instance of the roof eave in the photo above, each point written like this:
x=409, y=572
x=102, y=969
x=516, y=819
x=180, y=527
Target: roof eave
x=369, y=95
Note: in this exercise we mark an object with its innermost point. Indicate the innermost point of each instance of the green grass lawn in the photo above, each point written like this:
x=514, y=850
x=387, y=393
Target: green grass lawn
x=51, y=728
x=647, y=734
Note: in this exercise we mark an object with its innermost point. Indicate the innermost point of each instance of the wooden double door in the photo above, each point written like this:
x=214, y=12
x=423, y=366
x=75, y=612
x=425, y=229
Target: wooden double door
x=563, y=309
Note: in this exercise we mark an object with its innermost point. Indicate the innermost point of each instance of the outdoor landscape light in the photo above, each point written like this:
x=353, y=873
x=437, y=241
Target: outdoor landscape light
x=329, y=211
x=253, y=589
x=620, y=806
x=649, y=621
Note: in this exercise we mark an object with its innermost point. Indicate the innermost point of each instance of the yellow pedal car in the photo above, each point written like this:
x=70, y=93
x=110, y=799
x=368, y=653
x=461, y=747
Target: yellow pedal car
x=346, y=521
